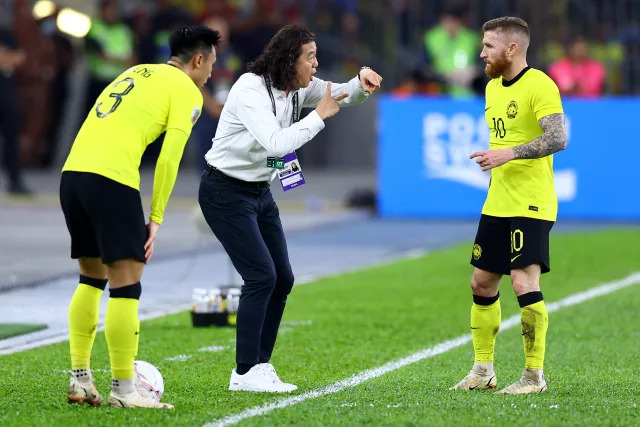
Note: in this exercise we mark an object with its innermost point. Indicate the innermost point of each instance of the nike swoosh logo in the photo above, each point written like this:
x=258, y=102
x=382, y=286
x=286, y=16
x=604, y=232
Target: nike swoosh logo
x=515, y=257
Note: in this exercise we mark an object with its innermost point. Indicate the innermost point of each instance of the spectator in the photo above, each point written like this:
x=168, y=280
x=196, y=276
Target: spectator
x=251, y=35
x=34, y=78
x=109, y=50
x=10, y=58
x=63, y=63
x=166, y=18
x=216, y=8
x=578, y=74
x=452, y=49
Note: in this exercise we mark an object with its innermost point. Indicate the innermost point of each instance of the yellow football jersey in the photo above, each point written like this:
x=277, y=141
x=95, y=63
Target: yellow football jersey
x=521, y=187
x=130, y=114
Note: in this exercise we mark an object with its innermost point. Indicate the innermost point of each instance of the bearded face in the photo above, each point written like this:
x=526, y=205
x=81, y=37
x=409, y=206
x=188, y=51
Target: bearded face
x=497, y=66
x=495, y=46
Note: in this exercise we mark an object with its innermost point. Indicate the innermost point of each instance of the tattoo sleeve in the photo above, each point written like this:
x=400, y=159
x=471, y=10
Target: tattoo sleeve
x=553, y=139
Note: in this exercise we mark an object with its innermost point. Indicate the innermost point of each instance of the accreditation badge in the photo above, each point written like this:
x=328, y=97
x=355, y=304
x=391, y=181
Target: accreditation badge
x=291, y=175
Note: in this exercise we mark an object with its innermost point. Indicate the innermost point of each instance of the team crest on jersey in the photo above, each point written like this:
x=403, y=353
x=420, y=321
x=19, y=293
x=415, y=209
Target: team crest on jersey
x=195, y=115
x=512, y=109
x=477, y=251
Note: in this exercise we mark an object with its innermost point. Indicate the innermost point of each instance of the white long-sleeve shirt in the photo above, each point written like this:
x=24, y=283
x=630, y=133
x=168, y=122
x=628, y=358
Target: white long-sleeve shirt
x=248, y=132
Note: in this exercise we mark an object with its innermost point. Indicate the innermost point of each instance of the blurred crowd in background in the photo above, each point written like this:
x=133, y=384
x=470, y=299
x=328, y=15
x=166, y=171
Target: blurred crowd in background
x=589, y=47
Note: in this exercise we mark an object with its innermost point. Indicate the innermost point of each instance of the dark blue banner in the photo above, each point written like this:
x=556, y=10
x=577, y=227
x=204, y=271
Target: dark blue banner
x=424, y=168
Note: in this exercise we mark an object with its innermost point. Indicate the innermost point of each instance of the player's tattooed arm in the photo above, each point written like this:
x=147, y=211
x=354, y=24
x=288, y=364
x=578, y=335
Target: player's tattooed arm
x=553, y=139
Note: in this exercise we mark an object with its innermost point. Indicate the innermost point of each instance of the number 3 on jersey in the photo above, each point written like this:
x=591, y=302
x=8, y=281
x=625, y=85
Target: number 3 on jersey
x=498, y=127
x=118, y=96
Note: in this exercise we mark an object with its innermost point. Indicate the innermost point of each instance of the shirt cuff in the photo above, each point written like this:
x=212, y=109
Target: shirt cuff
x=359, y=86
x=316, y=124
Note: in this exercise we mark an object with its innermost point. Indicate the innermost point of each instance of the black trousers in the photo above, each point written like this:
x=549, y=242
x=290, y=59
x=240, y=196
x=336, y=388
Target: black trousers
x=246, y=220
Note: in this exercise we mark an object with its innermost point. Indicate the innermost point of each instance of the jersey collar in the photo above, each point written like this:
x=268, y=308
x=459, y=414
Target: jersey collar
x=507, y=83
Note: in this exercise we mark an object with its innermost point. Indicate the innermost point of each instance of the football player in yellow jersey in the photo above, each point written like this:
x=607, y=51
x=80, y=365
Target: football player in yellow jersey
x=525, y=117
x=100, y=198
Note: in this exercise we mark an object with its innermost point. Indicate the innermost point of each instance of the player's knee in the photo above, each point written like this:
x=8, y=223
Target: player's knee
x=523, y=283
x=481, y=284
x=92, y=267
x=475, y=285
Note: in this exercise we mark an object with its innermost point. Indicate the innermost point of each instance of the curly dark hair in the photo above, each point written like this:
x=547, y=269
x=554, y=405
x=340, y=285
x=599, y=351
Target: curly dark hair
x=278, y=59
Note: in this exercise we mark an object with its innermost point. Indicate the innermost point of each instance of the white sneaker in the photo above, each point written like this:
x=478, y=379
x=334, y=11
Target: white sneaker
x=83, y=393
x=532, y=381
x=477, y=381
x=260, y=378
x=135, y=400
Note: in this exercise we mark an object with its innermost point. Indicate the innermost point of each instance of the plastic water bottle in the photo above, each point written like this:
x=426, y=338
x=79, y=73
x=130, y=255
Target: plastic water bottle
x=216, y=304
x=200, y=301
x=233, y=300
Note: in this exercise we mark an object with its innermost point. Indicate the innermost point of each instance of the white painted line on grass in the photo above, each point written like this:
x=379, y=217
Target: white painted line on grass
x=178, y=358
x=443, y=347
x=215, y=348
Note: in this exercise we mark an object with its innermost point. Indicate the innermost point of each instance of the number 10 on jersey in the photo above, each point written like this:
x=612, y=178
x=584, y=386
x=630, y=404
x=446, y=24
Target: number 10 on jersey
x=498, y=127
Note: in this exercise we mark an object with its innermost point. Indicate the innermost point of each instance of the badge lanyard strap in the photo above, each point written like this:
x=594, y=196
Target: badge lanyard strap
x=294, y=114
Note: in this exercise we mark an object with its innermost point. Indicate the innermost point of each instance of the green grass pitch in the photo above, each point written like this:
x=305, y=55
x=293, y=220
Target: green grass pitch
x=340, y=326
x=8, y=330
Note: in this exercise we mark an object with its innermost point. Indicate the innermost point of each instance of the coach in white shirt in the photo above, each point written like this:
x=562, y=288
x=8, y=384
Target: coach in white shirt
x=258, y=128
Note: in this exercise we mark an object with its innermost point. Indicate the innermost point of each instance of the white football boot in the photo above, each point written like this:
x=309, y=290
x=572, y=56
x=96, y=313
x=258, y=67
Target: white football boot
x=261, y=378
x=135, y=400
x=477, y=380
x=83, y=393
x=532, y=381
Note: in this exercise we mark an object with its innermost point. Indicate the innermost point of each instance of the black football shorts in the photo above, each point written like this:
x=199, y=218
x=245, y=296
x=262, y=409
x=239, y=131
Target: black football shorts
x=105, y=218
x=505, y=244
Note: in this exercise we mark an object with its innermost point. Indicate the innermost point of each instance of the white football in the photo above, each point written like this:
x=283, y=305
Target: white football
x=148, y=380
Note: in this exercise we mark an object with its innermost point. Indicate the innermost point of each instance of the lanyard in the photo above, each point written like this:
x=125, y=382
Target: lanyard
x=294, y=114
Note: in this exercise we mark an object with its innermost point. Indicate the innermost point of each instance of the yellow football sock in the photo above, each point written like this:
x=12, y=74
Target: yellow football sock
x=485, y=324
x=122, y=329
x=535, y=322
x=84, y=310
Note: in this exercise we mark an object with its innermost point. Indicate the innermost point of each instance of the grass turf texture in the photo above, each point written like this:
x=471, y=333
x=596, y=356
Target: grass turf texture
x=8, y=330
x=364, y=319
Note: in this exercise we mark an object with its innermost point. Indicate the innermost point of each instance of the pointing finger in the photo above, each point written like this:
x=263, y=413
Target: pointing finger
x=341, y=96
x=329, y=89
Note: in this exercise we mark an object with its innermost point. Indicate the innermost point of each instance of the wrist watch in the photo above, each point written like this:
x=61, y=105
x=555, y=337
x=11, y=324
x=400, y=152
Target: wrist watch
x=363, y=68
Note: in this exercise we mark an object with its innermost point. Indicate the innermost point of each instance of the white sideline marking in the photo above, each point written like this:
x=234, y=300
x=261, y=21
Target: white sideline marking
x=215, y=348
x=443, y=347
x=178, y=358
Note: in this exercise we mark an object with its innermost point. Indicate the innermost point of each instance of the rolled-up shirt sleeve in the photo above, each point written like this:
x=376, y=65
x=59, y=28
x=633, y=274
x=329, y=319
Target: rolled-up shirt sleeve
x=318, y=87
x=257, y=116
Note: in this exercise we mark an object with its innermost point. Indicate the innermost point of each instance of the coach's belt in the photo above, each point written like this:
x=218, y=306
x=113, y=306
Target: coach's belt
x=211, y=170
